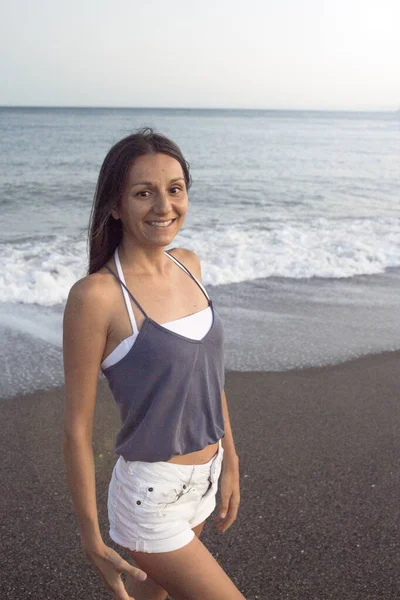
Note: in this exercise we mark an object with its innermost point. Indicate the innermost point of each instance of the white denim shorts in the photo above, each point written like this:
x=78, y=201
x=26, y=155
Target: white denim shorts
x=152, y=507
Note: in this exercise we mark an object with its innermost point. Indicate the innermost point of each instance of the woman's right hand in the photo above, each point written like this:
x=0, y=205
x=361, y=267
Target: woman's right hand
x=110, y=565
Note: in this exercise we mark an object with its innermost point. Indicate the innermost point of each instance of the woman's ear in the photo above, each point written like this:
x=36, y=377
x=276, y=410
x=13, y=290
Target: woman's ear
x=114, y=214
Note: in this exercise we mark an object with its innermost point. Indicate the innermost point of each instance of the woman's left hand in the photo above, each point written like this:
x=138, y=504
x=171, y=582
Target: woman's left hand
x=230, y=497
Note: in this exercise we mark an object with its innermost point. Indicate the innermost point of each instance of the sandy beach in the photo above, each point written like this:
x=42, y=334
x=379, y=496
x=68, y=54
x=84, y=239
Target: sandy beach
x=319, y=456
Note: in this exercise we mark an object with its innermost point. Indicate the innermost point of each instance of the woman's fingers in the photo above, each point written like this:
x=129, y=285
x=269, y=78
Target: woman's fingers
x=110, y=566
x=223, y=523
x=120, y=592
x=138, y=574
x=118, y=588
x=123, y=566
x=230, y=499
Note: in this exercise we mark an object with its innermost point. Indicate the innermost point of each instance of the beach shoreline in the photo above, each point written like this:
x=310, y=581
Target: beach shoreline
x=319, y=453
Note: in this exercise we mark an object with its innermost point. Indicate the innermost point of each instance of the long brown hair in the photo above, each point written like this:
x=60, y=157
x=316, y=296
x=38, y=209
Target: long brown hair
x=105, y=232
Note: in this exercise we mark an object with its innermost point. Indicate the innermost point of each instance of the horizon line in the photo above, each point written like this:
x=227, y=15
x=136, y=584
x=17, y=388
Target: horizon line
x=208, y=108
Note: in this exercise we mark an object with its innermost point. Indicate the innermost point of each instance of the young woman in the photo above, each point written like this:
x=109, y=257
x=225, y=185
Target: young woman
x=143, y=317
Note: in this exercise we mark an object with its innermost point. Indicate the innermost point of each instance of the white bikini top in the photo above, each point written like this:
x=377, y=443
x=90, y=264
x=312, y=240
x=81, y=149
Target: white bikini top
x=194, y=326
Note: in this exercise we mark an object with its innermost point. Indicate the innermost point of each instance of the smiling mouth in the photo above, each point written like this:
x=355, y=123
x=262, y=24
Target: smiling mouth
x=161, y=223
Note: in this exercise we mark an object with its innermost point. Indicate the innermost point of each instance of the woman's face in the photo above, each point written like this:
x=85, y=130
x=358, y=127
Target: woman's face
x=154, y=202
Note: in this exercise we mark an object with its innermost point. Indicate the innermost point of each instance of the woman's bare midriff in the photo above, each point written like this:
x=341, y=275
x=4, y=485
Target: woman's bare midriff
x=199, y=457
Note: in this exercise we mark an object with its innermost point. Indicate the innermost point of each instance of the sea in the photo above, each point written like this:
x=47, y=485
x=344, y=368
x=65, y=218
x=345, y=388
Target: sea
x=295, y=216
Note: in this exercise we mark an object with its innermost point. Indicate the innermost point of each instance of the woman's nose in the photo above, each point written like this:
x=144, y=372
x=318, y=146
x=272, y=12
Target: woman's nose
x=163, y=203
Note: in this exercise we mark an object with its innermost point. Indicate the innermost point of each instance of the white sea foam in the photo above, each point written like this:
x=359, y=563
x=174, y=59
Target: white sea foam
x=42, y=271
x=321, y=248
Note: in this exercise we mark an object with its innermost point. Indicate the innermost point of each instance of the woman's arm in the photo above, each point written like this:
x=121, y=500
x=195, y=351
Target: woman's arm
x=230, y=477
x=84, y=335
x=85, y=330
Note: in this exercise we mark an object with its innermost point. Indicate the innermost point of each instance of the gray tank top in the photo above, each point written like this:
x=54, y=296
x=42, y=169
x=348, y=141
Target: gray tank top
x=168, y=388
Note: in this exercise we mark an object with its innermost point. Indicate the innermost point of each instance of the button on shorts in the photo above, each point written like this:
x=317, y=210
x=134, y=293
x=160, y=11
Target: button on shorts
x=152, y=507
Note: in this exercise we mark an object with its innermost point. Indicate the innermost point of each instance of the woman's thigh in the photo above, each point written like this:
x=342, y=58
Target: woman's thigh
x=149, y=589
x=189, y=573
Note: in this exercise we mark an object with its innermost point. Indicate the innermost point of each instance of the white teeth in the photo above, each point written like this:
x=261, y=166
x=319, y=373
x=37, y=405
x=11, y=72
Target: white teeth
x=160, y=223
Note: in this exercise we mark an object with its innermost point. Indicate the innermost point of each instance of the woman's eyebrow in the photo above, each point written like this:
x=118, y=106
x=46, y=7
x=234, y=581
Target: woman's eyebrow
x=150, y=183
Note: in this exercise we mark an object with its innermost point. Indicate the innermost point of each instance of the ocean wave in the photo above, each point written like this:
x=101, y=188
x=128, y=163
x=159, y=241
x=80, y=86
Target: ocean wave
x=42, y=270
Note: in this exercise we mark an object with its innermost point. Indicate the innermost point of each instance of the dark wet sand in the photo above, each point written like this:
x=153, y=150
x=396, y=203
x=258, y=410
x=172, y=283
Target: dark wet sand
x=320, y=488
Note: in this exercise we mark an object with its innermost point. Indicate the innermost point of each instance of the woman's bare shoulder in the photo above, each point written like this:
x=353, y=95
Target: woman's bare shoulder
x=189, y=259
x=95, y=290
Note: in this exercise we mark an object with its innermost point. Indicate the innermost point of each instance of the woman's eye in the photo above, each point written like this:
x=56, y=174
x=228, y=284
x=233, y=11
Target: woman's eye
x=145, y=193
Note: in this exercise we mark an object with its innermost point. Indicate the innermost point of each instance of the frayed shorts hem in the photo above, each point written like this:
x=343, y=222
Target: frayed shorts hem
x=149, y=546
x=172, y=543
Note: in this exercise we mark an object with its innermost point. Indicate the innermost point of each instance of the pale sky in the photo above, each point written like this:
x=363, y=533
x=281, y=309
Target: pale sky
x=295, y=54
